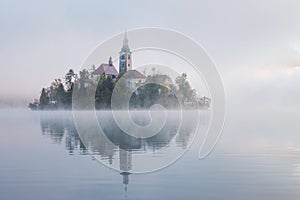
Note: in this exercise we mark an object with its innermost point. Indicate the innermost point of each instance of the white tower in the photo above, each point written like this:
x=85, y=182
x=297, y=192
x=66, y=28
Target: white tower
x=125, y=57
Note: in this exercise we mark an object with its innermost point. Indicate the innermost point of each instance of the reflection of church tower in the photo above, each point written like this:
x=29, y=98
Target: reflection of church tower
x=125, y=165
x=125, y=57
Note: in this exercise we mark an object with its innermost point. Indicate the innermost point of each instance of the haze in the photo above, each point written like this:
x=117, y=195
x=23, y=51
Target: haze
x=255, y=45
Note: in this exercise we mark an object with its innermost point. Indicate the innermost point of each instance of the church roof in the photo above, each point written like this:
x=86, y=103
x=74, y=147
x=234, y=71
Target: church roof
x=134, y=74
x=125, y=47
x=106, y=69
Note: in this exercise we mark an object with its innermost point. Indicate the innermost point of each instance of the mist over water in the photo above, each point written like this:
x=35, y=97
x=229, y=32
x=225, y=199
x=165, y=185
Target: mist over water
x=105, y=140
x=256, y=157
x=46, y=155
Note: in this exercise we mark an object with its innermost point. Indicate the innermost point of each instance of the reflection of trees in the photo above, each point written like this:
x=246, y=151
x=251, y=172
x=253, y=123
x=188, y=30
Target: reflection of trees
x=164, y=137
x=60, y=126
x=127, y=142
x=53, y=127
x=112, y=142
x=188, y=127
x=73, y=142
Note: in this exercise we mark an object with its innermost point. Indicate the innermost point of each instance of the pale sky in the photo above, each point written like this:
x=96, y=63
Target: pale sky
x=255, y=44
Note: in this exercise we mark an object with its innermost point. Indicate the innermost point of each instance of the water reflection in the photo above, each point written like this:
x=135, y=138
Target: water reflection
x=60, y=127
x=114, y=147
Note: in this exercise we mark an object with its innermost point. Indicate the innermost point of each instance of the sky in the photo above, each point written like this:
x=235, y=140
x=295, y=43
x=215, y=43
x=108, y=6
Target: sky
x=254, y=44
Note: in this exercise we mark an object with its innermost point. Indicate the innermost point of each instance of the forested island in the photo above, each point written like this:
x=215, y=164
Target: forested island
x=93, y=89
x=171, y=95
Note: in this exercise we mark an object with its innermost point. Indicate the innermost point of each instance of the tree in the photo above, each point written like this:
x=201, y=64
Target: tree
x=84, y=91
x=44, y=99
x=57, y=94
x=34, y=105
x=104, y=92
x=69, y=83
x=185, y=92
x=60, y=96
x=69, y=80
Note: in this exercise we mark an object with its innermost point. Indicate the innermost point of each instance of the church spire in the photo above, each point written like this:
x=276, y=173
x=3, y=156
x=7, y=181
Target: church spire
x=125, y=47
x=110, y=62
x=125, y=56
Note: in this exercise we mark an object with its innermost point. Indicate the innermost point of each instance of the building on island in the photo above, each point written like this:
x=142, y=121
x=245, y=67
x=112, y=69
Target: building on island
x=108, y=70
x=133, y=77
x=125, y=59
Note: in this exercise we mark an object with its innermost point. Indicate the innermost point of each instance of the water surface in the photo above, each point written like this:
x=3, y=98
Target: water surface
x=43, y=157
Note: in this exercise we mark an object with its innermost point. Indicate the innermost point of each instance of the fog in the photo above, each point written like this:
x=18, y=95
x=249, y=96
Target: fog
x=255, y=46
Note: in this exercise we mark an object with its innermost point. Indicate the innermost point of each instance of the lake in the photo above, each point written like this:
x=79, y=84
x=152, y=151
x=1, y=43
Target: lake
x=45, y=155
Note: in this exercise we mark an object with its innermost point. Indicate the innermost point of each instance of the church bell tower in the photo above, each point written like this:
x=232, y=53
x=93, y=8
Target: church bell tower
x=125, y=57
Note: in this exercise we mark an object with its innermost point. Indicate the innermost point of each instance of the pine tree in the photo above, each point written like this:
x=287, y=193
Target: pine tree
x=44, y=99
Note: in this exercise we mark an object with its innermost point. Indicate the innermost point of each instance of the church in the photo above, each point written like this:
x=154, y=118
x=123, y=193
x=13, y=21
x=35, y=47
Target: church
x=125, y=66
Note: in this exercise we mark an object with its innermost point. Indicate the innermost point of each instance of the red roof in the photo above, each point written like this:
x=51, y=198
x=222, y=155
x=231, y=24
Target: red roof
x=106, y=69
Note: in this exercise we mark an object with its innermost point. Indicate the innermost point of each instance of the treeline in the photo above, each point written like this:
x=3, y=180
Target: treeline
x=58, y=95
x=85, y=89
